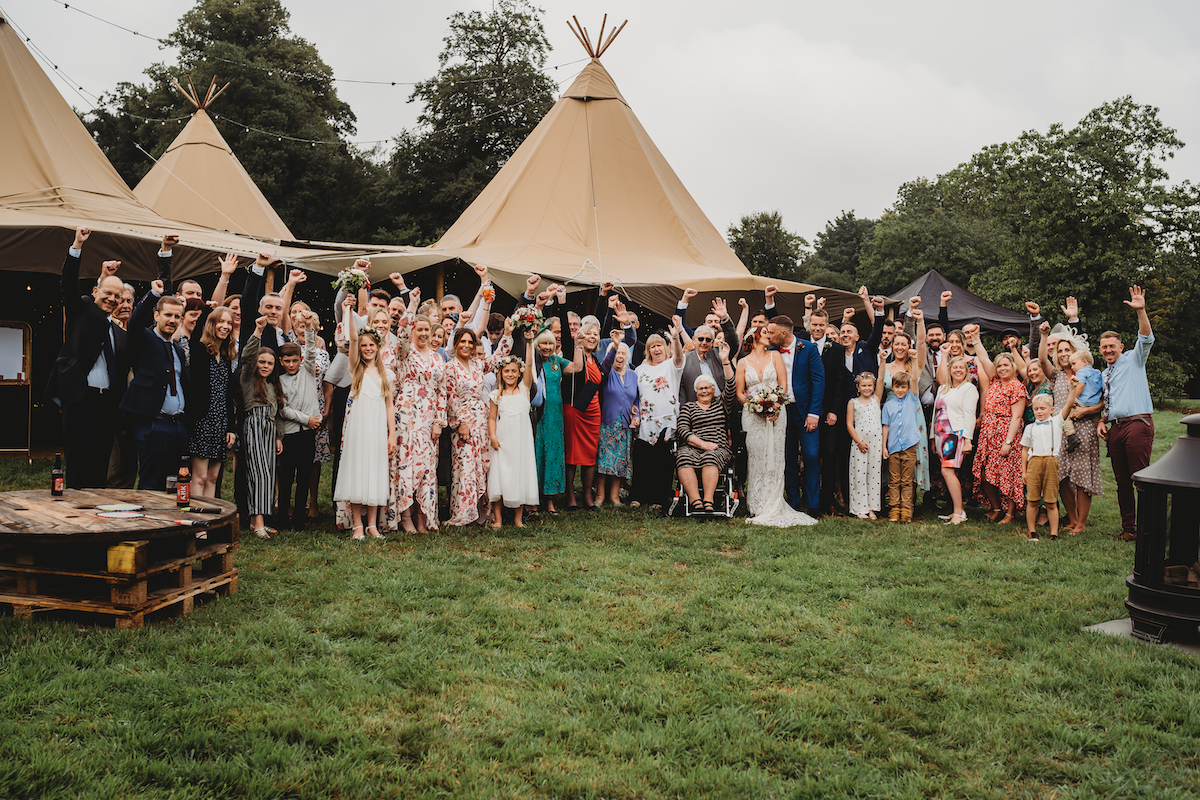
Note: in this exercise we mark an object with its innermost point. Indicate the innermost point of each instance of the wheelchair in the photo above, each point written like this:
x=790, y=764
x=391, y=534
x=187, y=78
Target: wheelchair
x=726, y=499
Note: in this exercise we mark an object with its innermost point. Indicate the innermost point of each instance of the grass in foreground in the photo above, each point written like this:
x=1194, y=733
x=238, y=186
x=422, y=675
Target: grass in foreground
x=621, y=655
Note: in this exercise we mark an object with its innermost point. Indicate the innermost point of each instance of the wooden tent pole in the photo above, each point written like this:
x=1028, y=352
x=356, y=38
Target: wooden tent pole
x=441, y=281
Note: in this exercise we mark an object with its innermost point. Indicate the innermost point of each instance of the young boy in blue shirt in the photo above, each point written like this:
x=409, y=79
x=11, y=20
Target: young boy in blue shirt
x=901, y=438
x=1092, y=394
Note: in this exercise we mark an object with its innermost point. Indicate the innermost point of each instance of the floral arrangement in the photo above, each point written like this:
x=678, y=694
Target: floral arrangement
x=527, y=317
x=766, y=401
x=501, y=363
x=352, y=279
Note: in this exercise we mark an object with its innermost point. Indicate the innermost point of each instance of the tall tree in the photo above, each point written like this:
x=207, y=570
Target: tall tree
x=488, y=95
x=837, y=249
x=766, y=247
x=278, y=84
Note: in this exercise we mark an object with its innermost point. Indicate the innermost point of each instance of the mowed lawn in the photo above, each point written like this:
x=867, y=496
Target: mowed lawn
x=617, y=654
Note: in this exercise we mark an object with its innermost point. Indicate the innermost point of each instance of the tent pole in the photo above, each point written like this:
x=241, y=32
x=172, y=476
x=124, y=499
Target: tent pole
x=441, y=281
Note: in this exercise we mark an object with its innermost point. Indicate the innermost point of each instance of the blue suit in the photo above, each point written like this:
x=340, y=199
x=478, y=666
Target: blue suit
x=808, y=389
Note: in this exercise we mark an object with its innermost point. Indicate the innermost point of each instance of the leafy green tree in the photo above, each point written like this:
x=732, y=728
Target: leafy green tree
x=1086, y=212
x=279, y=84
x=837, y=249
x=489, y=94
x=927, y=230
x=767, y=248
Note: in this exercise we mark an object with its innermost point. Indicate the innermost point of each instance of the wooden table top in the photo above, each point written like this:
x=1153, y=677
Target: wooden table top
x=37, y=514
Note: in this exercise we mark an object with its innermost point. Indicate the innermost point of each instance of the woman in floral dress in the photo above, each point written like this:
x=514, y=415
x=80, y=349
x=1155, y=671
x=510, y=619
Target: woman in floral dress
x=420, y=417
x=658, y=390
x=467, y=415
x=997, y=467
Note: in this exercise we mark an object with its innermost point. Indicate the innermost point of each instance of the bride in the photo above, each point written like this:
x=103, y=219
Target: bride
x=765, y=439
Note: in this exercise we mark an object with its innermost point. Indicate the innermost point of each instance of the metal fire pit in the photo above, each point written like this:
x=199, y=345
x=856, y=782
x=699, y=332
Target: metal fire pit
x=1164, y=589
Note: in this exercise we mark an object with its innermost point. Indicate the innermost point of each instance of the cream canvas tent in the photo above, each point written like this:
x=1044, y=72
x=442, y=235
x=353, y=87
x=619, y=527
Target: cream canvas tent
x=199, y=180
x=55, y=177
x=589, y=197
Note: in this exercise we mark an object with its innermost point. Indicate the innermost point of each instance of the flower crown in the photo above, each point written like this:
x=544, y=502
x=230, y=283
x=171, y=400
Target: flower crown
x=374, y=334
x=504, y=362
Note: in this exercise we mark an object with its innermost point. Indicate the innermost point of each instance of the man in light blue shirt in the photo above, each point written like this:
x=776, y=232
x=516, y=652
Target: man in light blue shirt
x=1128, y=409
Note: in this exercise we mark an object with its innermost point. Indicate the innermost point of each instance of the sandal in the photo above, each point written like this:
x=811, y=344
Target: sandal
x=357, y=536
x=376, y=534
x=262, y=533
x=708, y=507
x=696, y=506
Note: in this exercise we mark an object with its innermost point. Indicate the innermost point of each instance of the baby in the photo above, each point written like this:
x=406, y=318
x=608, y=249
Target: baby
x=1092, y=394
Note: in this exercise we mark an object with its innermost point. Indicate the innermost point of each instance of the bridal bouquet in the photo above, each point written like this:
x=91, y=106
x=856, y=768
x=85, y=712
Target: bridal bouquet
x=527, y=317
x=352, y=280
x=766, y=401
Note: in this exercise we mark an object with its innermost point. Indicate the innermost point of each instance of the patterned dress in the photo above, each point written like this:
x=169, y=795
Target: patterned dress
x=866, y=469
x=420, y=404
x=207, y=439
x=1081, y=468
x=618, y=395
x=548, y=443
x=710, y=426
x=321, y=456
x=462, y=387
x=990, y=466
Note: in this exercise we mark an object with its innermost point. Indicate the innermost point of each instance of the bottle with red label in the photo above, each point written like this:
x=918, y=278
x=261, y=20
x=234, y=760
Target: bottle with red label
x=183, y=486
x=56, y=477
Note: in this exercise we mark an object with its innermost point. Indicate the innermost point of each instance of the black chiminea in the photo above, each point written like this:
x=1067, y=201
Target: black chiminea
x=1164, y=589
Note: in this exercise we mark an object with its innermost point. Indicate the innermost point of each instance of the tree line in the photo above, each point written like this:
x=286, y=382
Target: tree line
x=1086, y=211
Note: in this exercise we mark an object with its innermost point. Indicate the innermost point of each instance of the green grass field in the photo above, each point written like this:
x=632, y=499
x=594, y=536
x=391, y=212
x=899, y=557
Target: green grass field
x=620, y=655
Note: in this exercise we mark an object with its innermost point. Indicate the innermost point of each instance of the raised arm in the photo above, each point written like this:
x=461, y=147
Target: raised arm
x=743, y=321
x=528, y=376
x=169, y=240
x=229, y=265
x=676, y=344
x=351, y=332
x=922, y=350
x=295, y=277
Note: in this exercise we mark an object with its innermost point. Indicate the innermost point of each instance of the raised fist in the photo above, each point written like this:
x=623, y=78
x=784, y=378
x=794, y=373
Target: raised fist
x=1032, y=308
x=947, y=296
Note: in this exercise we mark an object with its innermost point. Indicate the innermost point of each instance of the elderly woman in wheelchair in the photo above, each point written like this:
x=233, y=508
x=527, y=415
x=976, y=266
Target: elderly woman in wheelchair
x=702, y=442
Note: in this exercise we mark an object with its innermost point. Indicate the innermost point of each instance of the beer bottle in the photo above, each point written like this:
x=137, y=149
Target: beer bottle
x=183, y=485
x=56, y=477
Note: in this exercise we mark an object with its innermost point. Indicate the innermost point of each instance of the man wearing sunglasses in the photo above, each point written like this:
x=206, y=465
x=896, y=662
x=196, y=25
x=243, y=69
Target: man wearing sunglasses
x=703, y=360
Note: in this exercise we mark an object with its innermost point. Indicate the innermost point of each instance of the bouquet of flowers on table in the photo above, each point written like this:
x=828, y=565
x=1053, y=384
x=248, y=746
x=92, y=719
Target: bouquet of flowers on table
x=767, y=401
x=352, y=279
x=527, y=317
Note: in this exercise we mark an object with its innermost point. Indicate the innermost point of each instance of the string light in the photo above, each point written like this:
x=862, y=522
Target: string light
x=204, y=56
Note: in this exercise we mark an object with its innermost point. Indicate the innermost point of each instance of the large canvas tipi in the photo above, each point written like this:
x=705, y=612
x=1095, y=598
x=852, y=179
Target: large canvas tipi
x=588, y=197
x=199, y=180
x=55, y=178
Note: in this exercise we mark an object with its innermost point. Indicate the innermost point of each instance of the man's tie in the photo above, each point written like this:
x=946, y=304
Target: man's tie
x=785, y=350
x=171, y=368
x=110, y=358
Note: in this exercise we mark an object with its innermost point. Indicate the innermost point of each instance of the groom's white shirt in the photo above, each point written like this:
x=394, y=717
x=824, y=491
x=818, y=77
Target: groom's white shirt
x=788, y=358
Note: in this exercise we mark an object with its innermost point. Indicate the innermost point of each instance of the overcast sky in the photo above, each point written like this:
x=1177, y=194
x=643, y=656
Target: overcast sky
x=807, y=108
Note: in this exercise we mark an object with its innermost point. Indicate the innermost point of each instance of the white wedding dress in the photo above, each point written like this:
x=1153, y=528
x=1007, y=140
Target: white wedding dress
x=765, y=453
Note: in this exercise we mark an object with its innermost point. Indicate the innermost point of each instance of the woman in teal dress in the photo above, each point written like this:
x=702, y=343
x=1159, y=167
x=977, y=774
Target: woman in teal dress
x=548, y=435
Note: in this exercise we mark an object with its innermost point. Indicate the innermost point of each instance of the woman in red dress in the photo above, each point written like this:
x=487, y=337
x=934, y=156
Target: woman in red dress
x=997, y=467
x=581, y=410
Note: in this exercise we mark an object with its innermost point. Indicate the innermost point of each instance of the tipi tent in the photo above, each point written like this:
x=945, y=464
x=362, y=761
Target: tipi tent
x=55, y=178
x=199, y=180
x=588, y=197
x=964, y=308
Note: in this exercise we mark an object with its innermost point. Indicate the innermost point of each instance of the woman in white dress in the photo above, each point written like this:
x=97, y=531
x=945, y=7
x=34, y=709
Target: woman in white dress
x=765, y=439
x=363, y=478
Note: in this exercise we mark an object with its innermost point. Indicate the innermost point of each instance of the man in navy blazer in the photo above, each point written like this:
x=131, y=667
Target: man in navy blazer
x=156, y=400
x=806, y=376
x=89, y=375
x=843, y=364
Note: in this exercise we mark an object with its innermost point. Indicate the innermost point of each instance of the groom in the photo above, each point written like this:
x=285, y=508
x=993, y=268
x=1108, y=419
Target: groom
x=806, y=382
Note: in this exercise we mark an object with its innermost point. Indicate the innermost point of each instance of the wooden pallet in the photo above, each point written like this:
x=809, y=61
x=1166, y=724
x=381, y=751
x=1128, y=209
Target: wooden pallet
x=78, y=565
x=172, y=602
